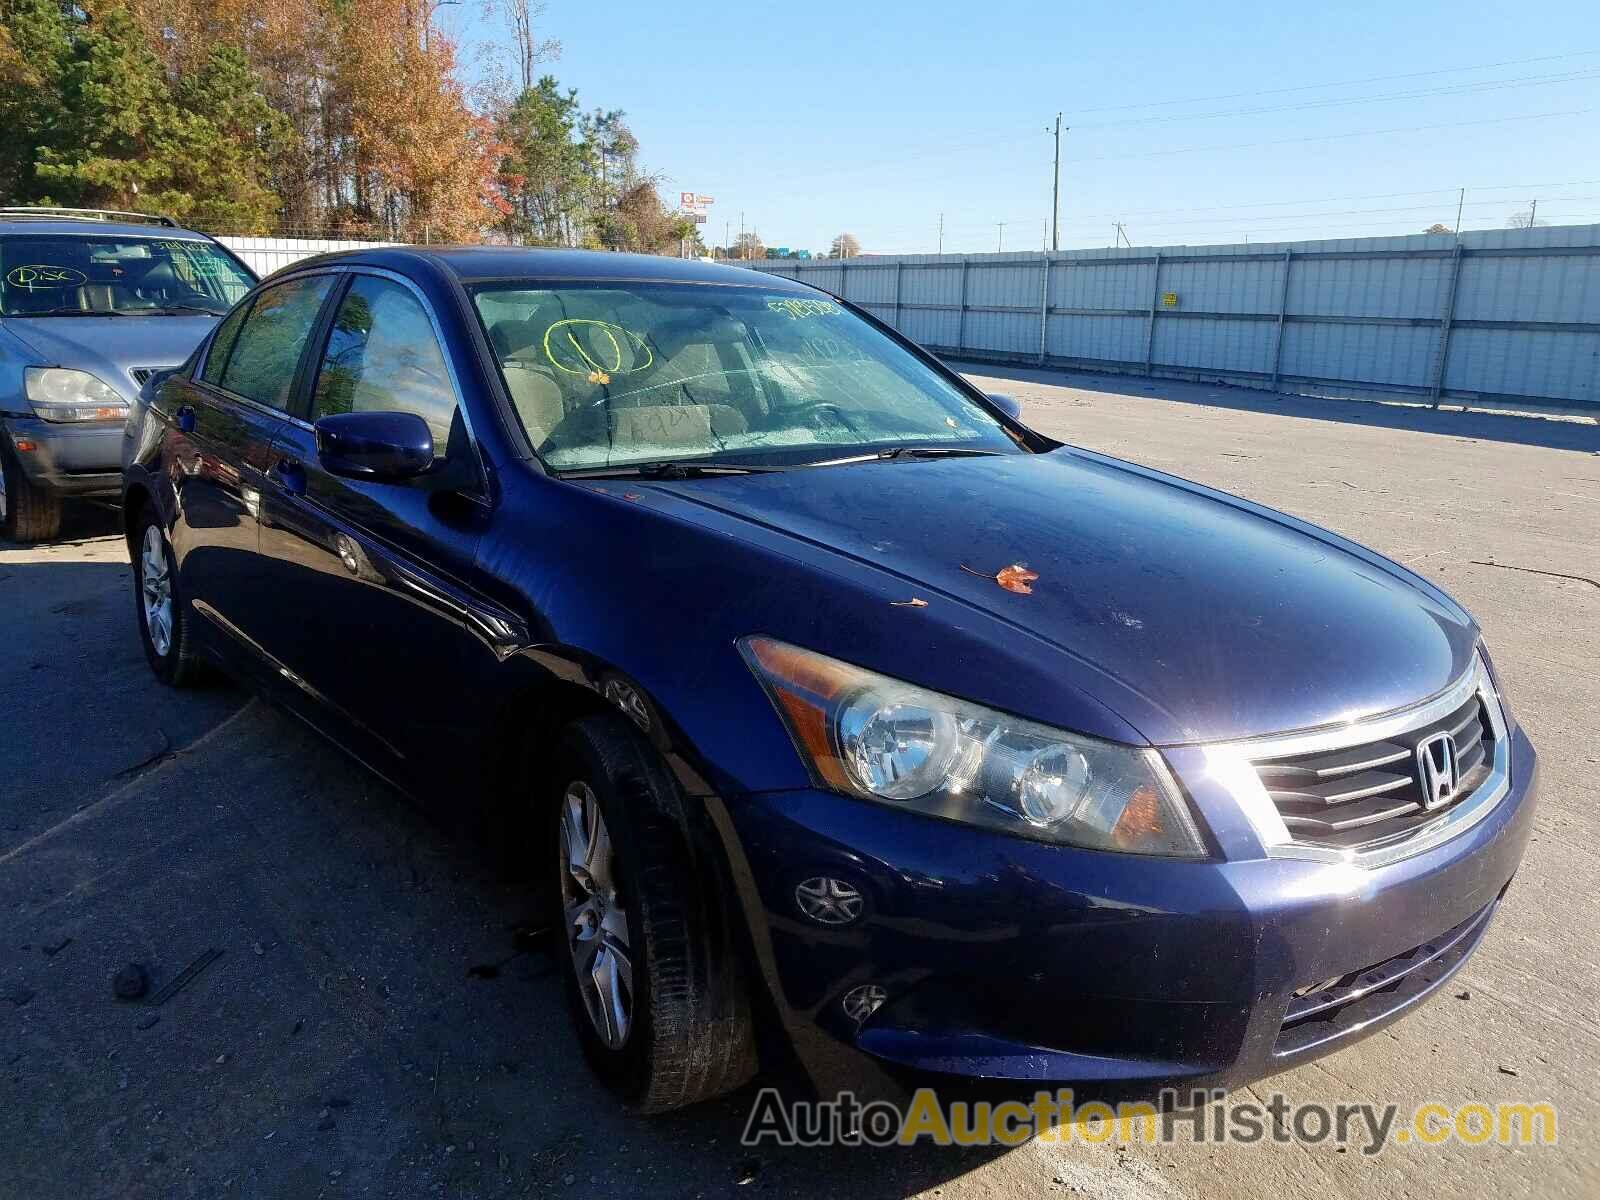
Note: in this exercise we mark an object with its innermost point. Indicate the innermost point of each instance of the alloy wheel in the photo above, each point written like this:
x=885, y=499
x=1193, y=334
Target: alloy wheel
x=155, y=585
x=596, y=923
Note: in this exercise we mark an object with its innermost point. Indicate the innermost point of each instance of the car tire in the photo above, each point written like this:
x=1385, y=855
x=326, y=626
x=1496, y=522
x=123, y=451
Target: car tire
x=687, y=1033
x=28, y=513
x=169, y=646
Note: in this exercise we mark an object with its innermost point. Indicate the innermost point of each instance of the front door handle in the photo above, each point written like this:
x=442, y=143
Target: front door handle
x=184, y=418
x=288, y=474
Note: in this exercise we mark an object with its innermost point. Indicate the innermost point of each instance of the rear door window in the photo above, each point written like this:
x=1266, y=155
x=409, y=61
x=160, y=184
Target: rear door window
x=222, y=344
x=264, y=355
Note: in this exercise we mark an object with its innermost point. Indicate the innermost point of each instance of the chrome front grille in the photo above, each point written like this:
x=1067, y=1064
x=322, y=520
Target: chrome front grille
x=1375, y=790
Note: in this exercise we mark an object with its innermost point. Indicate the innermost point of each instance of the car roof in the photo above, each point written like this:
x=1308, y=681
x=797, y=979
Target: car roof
x=479, y=264
x=96, y=228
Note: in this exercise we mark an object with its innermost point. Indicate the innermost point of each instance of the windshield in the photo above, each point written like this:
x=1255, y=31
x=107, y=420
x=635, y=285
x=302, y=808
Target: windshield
x=610, y=374
x=72, y=274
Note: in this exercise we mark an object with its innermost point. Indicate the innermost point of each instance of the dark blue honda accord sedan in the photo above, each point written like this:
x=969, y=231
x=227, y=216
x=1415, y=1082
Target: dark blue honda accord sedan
x=836, y=711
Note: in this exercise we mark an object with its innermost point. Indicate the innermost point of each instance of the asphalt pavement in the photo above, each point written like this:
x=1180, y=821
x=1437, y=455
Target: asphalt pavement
x=383, y=1018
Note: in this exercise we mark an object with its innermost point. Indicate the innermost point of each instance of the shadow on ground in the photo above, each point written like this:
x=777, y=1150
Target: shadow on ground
x=384, y=1016
x=83, y=710
x=1557, y=434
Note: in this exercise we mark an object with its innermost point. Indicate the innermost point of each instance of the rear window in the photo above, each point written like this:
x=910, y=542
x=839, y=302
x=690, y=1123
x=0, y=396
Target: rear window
x=86, y=275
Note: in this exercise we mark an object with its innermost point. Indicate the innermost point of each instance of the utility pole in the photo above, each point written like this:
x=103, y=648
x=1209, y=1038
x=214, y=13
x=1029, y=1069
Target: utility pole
x=1002, y=244
x=941, y=233
x=741, y=233
x=727, y=229
x=1044, y=235
x=1533, y=211
x=1055, y=193
x=1461, y=202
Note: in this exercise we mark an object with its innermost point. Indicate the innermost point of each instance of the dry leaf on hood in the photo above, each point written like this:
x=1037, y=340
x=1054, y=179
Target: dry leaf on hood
x=1014, y=578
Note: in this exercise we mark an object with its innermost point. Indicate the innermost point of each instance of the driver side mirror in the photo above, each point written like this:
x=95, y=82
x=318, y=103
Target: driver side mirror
x=380, y=446
x=1010, y=405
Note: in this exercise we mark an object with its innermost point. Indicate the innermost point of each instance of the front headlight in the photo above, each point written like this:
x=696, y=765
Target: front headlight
x=61, y=394
x=875, y=737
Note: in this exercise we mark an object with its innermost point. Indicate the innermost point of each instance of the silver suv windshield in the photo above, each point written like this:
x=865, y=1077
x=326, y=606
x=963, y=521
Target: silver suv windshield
x=93, y=275
x=604, y=375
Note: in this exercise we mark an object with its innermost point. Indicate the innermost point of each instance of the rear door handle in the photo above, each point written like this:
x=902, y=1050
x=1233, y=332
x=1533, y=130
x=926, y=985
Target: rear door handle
x=184, y=418
x=288, y=474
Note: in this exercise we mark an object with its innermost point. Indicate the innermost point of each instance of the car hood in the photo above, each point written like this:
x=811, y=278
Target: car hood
x=1194, y=616
x=110, y=347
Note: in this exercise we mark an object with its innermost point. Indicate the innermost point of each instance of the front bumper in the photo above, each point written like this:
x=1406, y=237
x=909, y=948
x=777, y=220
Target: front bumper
x=1005, y=959
x=69, y=459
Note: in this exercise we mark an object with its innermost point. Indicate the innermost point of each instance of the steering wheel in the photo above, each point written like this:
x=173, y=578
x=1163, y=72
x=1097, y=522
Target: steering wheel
x=816, y=413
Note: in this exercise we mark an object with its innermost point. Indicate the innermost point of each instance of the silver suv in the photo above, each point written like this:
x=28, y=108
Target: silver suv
x=92, y=304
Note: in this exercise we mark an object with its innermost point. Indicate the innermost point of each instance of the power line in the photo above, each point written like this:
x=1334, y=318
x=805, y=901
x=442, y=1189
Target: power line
x=1342, y=212
x=1471, y=187
x=1317, y=231
x=1458, y=89
x=1334, y=137
x=879, y=168
x=1311, y=87
x=1249, y=237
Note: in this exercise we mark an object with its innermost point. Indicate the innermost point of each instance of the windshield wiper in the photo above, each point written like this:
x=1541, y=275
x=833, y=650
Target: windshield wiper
x=908, y=451
x=65, y=312
x=915, y=451
x=666, y=470
x=172, y=310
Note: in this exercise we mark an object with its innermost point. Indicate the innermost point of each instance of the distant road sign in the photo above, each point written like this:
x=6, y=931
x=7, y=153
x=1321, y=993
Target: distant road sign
x=694, y=200
x=685, y=199
x=702, y=200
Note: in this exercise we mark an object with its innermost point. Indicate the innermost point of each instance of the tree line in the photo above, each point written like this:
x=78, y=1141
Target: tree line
x=347, y=117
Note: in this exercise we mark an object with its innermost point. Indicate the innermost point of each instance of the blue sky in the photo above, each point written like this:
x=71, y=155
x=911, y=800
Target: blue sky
x=1189, y=122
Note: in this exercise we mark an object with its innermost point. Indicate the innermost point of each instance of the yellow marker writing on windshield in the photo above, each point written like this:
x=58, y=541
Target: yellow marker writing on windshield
x=603, y=356
x=36, y=276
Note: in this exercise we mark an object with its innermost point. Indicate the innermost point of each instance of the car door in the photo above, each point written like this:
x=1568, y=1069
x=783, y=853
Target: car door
x=376, y=614
x=222, y=422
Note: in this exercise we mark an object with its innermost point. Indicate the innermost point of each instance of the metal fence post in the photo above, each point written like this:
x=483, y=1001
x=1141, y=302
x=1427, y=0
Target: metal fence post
x=1283, y=309
x=1443, y=356
x=961, y=309
x=899, y=266
x=1150, y=326
x=1044, y=307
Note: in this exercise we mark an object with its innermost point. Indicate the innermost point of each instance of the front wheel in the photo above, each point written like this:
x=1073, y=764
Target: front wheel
x=163, y=619
x=27, y=513
x=654, y=984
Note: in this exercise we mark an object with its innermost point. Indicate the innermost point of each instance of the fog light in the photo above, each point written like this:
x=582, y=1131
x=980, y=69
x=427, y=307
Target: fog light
x=26, y=446
x=861, y=1002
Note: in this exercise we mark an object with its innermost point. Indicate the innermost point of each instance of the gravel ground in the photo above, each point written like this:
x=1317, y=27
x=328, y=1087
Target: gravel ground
x=379, y=1023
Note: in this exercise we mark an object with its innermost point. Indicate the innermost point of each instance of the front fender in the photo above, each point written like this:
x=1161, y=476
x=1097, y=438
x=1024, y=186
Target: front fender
x=621, y=579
